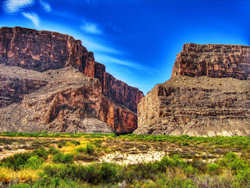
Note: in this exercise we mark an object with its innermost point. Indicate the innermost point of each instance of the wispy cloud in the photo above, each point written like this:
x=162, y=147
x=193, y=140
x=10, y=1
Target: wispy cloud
x=32, y=17
x=124, y=62
x=91, y=28
x=12, y=6
x=96, y=46
x=46, y=6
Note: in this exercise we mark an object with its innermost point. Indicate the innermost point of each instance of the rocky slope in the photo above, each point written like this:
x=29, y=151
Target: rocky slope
x=208, y=94
x=49, y=81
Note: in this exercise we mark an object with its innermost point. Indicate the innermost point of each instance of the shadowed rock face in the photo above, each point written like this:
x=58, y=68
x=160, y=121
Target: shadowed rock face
x=42, y=51
x=208, y=94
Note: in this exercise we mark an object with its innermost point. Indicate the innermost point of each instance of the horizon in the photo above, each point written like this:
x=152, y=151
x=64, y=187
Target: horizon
x=136, y=46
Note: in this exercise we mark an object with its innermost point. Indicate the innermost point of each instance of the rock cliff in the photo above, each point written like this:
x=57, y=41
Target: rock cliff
x=207, y=95
x=34, y=61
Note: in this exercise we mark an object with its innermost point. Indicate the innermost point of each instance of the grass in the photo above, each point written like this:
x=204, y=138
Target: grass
x=72, y=162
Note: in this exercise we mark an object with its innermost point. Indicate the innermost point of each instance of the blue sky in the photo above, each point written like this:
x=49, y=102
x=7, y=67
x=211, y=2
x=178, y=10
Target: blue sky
x=137, y=40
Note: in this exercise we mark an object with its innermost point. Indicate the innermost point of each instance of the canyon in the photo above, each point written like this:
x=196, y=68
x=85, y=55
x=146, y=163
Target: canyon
x=51, y=82
x=207, y=95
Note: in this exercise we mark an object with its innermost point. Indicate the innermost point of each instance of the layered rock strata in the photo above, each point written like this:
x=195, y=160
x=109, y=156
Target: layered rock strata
x=207, y=95
x=35, y=59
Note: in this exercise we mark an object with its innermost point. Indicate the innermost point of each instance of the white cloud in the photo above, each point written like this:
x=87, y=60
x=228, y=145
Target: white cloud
x=33, y=17
x=12, y=6
x=108, y=59
x=46, y=6
x=98, y=46
x=91, y=28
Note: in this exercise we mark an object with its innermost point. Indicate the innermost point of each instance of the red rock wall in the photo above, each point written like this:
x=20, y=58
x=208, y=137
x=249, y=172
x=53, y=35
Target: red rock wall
x=213, y=60
x=44, y=50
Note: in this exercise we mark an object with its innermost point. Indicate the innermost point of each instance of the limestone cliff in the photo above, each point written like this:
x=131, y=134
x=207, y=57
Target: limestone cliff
x=208, y=94
x=41, y=56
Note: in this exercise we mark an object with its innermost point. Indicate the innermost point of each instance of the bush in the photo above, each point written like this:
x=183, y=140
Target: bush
x=41, y=152
x=213, y=169
x=81, y=149
x=21, y=185
x=34, y=162
x=90, y=149
x=63, y=158
x=76, y=143
x=243, y=177
x=190, y=171
x=52, y=150
x=109, y=173
x=94, y=174
x=55, y=183
x=17, y=161
x=233, y=162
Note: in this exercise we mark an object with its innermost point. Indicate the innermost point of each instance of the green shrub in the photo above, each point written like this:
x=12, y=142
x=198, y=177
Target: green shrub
x=199, y=165
x=34, y=162
x=238, y=164
x=180, y=183
x=75, y=142
x=81, y=149
x=243, y=177
x=54, y=182
x=190, y=171
x=52, y=150
x=94, y=174
x=232, y=161
x=230, y=157
x=61, y=144
x=90, y=149
x=109, y=173
x=213, y=169
x=16, y=161
x=21, y=185
x=63, y=158
x=41, y=152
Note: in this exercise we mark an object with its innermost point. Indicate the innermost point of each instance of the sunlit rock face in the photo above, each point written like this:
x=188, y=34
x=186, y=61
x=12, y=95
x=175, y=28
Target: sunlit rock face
x=34, y=60
x=207, y=95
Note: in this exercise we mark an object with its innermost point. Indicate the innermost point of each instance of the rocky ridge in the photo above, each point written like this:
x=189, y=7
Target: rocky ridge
x=207, y=95
x=49, y=95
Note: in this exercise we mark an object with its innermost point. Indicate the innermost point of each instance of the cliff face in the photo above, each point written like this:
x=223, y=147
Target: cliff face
x=207, y=95
x=216, y=61
x=43, y=51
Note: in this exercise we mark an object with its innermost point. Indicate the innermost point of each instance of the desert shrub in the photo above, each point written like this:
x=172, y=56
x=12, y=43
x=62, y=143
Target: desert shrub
x=97, y=143
x=102, y=173
x=63, y=158
x=81, y=149
x=94, y=174
x=21, y=185
x=173, y=161
x=213, y=169
x=34, y=162
x=41, y=152
x=208, y=181
x=243, y=177
x=75, y=142
x=190, y=171
x=90, y=149
x=61, y=144
x=200, y=165
x=54, y=182
x=16, y=161
x=235, y=163
x=52, y=150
